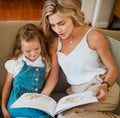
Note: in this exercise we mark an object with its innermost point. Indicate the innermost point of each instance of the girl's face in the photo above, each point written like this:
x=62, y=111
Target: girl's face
x=63, y=26
x=31, y=49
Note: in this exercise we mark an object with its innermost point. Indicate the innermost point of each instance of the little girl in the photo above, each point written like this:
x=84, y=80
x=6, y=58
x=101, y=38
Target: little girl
x=26, y=72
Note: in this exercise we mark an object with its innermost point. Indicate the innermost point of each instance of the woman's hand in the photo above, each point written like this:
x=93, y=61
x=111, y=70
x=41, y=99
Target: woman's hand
x=101, y=92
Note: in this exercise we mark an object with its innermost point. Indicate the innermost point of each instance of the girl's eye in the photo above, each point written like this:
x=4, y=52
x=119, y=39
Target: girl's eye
x=27, y=51
x=36, y=48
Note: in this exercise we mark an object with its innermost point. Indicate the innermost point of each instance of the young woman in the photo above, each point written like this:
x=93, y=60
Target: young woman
x=26, y=72
x=84, y=56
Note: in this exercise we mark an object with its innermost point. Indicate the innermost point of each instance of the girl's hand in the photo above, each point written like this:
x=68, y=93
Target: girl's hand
x=5, y=113
x=101, y=92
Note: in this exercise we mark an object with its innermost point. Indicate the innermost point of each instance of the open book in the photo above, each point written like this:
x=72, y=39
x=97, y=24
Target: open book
x=49, y=105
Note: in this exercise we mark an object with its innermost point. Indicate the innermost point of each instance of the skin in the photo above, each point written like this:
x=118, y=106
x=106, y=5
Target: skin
x=31, y=50
x=66, y=30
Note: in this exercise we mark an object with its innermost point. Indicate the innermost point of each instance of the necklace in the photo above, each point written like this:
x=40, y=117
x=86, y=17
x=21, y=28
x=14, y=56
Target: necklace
x=71, y=42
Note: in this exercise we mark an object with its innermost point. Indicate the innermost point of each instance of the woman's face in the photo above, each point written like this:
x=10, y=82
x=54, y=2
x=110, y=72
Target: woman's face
x=31, y=49
x=63, y=26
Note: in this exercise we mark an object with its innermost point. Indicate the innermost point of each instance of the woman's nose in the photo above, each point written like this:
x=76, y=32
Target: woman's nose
x=58, y=29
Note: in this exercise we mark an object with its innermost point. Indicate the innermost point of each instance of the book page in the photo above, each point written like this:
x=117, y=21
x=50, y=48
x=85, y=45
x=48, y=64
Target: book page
x=73, y=100
x=37, y=101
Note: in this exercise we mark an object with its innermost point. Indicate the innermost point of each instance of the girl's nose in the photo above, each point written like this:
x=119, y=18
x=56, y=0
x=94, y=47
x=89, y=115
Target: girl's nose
x=33, y=54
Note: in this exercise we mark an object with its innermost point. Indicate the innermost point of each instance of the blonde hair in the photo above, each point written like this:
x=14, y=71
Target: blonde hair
x=28, y=33
x=67, y=8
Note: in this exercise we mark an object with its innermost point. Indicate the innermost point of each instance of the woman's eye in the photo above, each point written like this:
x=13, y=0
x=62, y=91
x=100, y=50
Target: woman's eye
x=59, y=24
x=52, y=25
x=62, y=23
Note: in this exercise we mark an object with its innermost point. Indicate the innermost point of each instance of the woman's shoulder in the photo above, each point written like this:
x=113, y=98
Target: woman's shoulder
x=95, y=38
x=94, y=33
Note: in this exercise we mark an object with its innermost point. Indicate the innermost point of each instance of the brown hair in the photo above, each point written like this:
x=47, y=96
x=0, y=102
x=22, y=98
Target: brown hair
x=28, y=33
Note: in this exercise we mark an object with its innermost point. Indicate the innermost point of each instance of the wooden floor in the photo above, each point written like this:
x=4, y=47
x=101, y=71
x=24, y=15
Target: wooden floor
x=21, y=9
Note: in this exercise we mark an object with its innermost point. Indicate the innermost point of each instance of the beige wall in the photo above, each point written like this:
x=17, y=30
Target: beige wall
x=98, y=12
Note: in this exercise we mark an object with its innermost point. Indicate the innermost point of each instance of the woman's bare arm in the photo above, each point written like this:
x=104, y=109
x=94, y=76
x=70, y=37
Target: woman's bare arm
x=53, y=75
x=97, y=41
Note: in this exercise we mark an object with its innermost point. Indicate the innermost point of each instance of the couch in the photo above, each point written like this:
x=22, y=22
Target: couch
x=8, y=31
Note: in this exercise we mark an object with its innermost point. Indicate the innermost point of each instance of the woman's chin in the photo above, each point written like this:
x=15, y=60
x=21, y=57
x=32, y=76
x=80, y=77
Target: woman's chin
x=63, y=37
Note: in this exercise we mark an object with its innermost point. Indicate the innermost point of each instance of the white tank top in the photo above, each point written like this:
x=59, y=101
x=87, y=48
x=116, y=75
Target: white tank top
x=82, y=64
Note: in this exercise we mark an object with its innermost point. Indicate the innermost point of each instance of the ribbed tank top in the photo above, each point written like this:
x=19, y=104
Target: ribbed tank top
x=82, y=64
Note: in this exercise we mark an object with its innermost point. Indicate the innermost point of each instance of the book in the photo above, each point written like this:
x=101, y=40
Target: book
x=49, y=105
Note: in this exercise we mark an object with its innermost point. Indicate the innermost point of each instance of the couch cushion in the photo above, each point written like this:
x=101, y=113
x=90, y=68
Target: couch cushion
x=115, y=48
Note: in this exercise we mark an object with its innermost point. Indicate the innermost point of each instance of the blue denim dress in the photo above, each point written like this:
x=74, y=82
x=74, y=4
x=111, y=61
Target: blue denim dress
x=30, y=79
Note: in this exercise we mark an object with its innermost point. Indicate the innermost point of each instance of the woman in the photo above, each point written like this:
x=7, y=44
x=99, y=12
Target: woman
x=83, y=54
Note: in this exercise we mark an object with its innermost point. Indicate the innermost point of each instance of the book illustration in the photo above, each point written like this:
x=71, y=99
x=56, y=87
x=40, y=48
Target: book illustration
x=31, y=96
x=73, y=99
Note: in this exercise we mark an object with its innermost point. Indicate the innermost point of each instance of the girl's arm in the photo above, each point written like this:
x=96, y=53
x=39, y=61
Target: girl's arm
x=97, y=41
x=54, y=71
x=5, y=94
